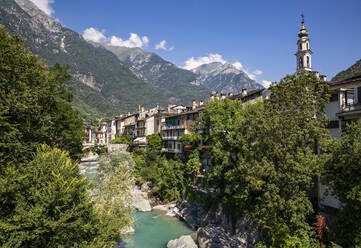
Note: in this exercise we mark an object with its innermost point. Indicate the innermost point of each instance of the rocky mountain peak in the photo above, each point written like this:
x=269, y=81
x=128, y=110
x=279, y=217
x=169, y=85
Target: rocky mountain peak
x=224, y=77
x=38, y=17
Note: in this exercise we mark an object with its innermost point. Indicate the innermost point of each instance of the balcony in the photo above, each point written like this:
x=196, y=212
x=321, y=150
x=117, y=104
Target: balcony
x=171, y=150
x=165, y=127
x=350, y=109
x=170, y=137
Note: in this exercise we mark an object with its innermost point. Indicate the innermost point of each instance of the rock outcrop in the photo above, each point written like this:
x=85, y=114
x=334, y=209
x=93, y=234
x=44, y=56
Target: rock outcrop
x=213, y=236
x=243, y=229
x=140, y=200
x=184, y=241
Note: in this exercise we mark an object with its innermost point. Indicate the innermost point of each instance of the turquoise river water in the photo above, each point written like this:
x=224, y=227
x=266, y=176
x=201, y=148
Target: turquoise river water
x=152, y=229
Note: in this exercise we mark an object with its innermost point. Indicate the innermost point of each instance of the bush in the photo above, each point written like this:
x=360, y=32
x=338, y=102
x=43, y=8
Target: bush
x=55, y=210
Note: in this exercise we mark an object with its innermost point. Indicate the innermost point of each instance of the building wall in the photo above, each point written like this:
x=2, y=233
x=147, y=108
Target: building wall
x=149, y=126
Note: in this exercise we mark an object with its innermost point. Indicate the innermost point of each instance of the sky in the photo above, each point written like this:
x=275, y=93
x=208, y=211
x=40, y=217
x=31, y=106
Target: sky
x=257, y=36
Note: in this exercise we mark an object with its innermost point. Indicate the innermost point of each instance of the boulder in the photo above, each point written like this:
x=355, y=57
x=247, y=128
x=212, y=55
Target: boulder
x=145, y=187
x=213, y=236
x=140, y=200
x=184, y=241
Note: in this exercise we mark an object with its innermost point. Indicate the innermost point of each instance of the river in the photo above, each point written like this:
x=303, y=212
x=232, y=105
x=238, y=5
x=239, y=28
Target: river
x=152, y=229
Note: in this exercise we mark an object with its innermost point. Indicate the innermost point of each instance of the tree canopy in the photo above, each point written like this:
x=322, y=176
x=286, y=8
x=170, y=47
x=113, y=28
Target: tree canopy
x=264, y=159
x=342, y=173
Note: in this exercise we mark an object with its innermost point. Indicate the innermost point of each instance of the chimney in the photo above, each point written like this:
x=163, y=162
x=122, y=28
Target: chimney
x=323, y=78
x=230, y=94
x=201, y=103
x=142, y=109
x=194, y=104
x=138, y=108
x=223, y=95
x=128, y=112
x=213, y=95
x=244, y=92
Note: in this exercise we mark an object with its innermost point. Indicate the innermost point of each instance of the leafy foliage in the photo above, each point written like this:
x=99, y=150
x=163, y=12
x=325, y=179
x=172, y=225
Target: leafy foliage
x=43, y=199
x=55, y=210
x=123, y=139
x=35, y=104
x=166, y=175
x=113, y=183
x=263, y=156
x=342, y=174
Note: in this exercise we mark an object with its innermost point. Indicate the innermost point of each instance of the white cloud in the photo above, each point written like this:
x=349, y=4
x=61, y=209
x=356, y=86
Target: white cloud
x=44, y=5
x=266, y=83
x=258, y=72
x=238, y=65
x=92, y=34
x=145, y=40
x=133, y=41
x=163, y=45
x=192, y=63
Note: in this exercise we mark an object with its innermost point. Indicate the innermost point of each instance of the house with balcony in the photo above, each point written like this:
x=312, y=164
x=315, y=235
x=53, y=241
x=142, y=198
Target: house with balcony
x=101, y=133
x=344, y=107
x=130, y=122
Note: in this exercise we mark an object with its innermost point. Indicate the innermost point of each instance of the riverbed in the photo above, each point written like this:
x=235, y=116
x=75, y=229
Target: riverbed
x=152, y=229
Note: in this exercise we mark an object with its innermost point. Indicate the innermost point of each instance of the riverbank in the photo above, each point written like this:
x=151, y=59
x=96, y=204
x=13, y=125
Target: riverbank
x=153, y=228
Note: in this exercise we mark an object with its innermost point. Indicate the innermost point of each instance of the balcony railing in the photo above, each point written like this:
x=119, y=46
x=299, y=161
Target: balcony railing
x=170, y=137
x=350, y=107
x=165, y=127
x=171, y=150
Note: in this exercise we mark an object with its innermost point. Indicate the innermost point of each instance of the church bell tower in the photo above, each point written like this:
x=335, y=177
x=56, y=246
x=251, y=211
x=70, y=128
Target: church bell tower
x=304, y=52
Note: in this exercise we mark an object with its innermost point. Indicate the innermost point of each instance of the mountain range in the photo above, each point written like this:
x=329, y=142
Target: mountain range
x=354, y=70
x=108, y=80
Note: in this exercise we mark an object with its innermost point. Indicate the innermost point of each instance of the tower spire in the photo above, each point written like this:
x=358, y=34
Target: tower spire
x=303, y=55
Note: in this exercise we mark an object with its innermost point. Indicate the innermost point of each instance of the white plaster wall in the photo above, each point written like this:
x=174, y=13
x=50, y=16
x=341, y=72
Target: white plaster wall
x=332, y=109
x=149, y=126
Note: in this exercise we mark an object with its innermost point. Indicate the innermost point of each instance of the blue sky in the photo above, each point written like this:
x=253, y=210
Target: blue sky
x=260, y=35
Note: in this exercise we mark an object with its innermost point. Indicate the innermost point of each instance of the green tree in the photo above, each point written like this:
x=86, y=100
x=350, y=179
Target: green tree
x=56, y=209
x=342, y=173
x=113, y=183
x=263, y=156
x=154, y=143
x=35, y=104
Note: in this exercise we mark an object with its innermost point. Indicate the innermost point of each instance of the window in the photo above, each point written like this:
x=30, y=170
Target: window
x=300, y=46
x=334, y=98
x=178, y=146
x=308, y=61
x=300, y=64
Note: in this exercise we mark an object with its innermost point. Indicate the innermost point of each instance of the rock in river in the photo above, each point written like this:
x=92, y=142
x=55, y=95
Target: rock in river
x=140, y=200
x=184, y=241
